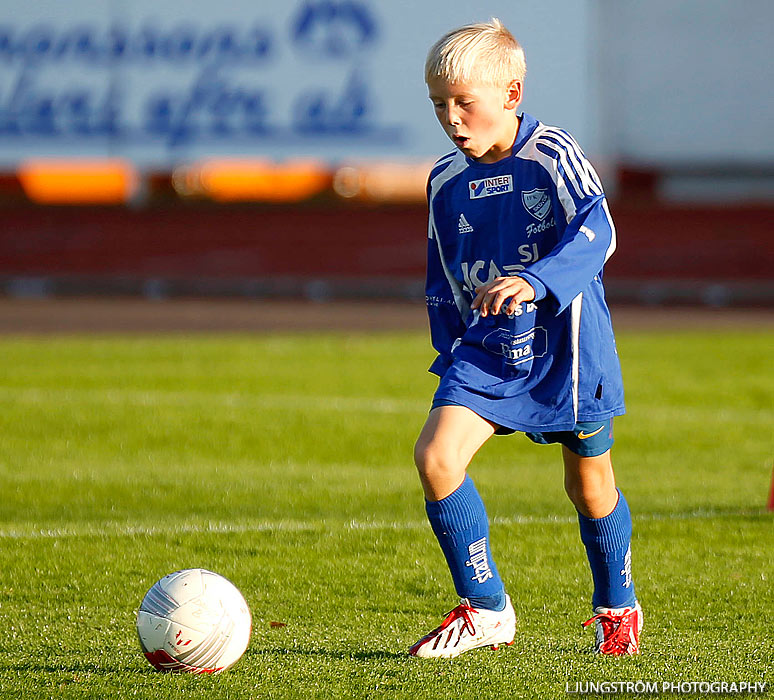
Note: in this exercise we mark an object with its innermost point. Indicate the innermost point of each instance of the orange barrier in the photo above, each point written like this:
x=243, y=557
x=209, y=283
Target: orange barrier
x=235, y=180
x=114, y=181
x=49, y=181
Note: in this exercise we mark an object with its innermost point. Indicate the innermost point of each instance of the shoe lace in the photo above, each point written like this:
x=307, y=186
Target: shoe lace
x=616, y=628
x=462, y=611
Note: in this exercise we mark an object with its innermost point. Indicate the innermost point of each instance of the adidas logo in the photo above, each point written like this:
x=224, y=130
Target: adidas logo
x=463, y=226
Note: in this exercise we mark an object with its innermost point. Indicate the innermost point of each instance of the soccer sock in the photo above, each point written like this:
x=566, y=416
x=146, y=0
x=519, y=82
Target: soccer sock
x=608, y=547
x=460, y=523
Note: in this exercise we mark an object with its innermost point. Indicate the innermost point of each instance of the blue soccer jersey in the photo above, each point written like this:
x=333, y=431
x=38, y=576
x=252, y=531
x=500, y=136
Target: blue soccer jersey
x=541, y=214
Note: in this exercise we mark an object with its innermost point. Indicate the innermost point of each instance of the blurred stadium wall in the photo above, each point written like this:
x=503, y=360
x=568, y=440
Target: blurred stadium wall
x=255, y=148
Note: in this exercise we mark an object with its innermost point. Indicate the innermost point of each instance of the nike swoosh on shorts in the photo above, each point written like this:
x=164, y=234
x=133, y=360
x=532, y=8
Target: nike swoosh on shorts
x=585, y=436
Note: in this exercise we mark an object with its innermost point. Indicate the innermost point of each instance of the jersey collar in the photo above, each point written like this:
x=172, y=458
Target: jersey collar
x=526, y=129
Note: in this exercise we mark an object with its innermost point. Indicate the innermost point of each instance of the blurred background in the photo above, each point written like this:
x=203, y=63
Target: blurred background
x=251, y=149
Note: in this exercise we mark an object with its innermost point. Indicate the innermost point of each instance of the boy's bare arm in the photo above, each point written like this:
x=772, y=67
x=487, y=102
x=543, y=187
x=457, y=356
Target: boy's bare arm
x=491, y=297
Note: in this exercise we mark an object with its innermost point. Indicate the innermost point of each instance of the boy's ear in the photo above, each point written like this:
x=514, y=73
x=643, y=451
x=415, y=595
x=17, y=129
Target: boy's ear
x=513, y=95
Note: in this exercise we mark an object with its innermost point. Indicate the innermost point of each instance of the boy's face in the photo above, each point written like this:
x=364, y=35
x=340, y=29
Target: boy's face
x=480, y=120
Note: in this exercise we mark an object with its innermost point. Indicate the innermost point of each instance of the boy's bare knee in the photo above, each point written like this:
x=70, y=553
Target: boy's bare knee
x=431, y=457
x=590, y=483
x=592, y=497
x=436, y=462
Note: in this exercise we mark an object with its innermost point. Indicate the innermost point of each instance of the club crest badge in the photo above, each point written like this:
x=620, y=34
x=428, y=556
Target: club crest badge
x=537, y=202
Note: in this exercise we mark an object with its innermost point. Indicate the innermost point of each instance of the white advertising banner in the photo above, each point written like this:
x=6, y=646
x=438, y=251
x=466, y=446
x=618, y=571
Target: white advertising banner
x=162, y=82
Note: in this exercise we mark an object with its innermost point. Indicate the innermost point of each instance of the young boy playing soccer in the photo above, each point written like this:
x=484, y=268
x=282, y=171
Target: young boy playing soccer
x=519, y=231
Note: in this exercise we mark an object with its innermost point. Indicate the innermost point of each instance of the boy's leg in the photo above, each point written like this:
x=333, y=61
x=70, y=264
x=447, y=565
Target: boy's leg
x=606, y=531
x=605, y=526
x=450, y=438
x=447, y=443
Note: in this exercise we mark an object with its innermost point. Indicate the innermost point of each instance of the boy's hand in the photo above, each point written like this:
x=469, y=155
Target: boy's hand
x=491, y=297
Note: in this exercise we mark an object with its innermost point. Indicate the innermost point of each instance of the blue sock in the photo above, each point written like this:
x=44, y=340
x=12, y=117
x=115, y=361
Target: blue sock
x=460, y=523
x=608, y=547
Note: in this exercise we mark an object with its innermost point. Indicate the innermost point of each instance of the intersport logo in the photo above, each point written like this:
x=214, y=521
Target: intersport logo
x=491, y=186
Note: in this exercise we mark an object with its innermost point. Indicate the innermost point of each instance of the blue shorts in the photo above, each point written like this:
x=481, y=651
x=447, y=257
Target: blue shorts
x=587, y=439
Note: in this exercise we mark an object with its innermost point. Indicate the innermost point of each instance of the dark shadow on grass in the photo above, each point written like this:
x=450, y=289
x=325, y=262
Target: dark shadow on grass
x=82, y=669
x=343, y=655
x=75, y=669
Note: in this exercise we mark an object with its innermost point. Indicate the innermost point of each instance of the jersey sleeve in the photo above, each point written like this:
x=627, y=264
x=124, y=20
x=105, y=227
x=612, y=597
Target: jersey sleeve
x=446, y=324
x=589, y=237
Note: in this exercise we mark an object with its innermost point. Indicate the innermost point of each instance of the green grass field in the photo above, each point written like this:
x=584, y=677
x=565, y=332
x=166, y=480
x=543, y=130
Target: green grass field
x=284, y=463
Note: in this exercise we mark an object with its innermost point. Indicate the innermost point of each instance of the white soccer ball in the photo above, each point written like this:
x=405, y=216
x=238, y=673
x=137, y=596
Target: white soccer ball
x=193, y=621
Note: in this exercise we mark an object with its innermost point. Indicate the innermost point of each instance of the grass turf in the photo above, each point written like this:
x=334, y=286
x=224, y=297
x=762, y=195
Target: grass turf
x=284, y=463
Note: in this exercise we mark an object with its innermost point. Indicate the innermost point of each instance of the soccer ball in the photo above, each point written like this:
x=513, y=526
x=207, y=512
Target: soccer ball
x=193, y=621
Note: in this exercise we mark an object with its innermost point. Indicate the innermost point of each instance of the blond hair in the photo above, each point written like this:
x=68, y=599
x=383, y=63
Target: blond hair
x=485, y=53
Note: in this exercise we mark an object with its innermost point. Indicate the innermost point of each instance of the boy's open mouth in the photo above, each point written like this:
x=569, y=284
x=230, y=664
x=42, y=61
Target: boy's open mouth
x=460, y=140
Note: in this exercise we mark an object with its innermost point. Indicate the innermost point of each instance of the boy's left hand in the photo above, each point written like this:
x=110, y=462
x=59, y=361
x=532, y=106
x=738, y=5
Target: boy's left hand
x=491, y=297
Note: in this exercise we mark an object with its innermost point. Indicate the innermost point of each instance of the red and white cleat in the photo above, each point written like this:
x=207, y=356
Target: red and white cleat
x=617, y=630
x=467, y=628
